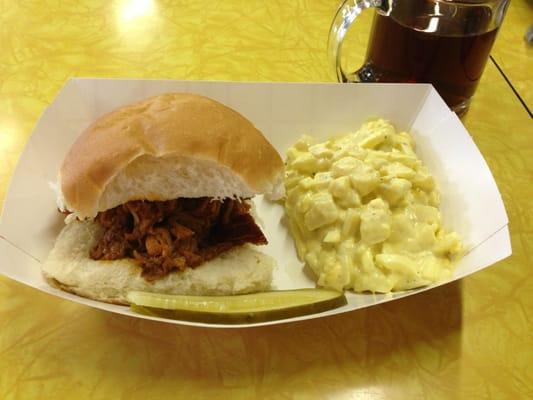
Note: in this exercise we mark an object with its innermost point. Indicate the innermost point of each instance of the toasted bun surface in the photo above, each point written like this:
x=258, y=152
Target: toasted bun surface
x=168, y=146
x=241, y=270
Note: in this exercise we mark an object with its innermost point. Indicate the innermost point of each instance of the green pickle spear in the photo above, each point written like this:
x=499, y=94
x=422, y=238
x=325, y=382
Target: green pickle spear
x=238, y=309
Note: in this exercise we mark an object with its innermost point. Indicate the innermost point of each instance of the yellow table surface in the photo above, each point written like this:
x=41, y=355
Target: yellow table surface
x=512, y=53
x=469, y=339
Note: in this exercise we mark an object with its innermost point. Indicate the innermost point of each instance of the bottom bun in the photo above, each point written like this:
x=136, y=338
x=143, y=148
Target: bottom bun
x=69, y=267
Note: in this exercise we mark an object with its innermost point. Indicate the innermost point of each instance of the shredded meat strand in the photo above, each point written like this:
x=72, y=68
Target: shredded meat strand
x=165, y=236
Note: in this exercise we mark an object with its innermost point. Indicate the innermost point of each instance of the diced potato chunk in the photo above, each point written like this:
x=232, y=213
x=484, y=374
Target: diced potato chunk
x=394, y=190
x=397, y=170
x=332, y=236
x=375, y=222
x=345, y=166
x=321, y=150
x=305, y=162
x=351, y=223
x=323, y=212
x=345, y=196
x=427, y=214
x=304, y=142
x=364, y=178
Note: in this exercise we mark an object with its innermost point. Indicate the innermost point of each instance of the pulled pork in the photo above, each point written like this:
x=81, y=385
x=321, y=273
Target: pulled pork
x=163, y=236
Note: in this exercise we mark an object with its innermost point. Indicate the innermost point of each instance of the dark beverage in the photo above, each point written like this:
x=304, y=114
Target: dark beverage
x=450, y=54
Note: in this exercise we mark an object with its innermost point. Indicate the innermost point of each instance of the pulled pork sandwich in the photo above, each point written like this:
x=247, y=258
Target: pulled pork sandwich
x=157, y=196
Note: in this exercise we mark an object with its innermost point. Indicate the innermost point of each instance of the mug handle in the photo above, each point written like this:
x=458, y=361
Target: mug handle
x=346, y=14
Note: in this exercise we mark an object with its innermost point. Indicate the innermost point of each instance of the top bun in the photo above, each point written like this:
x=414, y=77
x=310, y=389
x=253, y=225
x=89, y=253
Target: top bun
x=168, y=146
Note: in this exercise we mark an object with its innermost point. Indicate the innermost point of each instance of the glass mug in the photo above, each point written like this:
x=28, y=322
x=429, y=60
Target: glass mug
x=442, y=42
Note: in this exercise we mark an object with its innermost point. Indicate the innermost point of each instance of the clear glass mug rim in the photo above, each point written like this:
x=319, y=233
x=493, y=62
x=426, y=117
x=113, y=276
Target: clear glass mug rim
x=465, y=3
x=387, y=7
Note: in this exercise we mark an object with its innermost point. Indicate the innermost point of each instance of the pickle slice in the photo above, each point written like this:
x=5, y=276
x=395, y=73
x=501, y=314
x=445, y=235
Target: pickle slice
x=238, y=309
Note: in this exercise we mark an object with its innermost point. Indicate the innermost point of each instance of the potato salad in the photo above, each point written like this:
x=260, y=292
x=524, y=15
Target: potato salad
x=364, y=212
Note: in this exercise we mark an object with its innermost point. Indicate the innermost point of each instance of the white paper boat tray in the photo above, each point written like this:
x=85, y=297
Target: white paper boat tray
x=471, y=202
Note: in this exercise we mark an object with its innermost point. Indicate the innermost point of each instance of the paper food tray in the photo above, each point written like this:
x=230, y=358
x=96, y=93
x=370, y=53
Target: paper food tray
x=471, y=203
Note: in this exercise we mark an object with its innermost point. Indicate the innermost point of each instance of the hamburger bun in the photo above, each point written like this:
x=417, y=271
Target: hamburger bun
x=166, y=147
